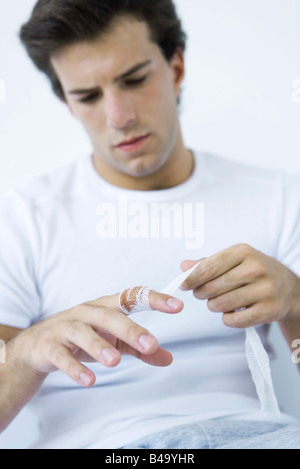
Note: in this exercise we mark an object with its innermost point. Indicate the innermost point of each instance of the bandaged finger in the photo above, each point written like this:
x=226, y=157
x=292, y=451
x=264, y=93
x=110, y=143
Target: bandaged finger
x=134, y=300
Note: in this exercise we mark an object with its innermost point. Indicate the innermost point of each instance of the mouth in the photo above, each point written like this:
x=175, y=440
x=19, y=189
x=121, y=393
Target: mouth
x=132, y=144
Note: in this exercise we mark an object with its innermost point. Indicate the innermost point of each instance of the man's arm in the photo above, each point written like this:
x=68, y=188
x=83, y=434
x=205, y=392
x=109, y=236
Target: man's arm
x=18, y=382
x=96, y=331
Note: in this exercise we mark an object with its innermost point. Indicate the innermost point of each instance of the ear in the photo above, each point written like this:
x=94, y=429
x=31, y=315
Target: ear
x=177, y=65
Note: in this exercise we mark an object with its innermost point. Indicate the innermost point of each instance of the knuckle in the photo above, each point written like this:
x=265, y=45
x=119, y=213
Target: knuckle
x=199, y=294
x=214, y=305
x=227, y=320
x=257, y=269
x=269, y=289
x=234, y=320
x=244, y=249
x=102, y=301
x=125, y=349
x=56, y=355
x=253, y=316
x=45, y=336
x=79, y=311
x=134, y=331
x=72, y=369
x=104, y=317
x=227, y=302
x=271, y=312
x=75, y=310
x=222, y=303
x=239, y=319
x=204, y=272
x=95, y=349
x=208, y=289
x=76, y=328
x=207, y=271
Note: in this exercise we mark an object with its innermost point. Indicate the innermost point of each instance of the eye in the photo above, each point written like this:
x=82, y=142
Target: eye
x=90, y=98
x=136, y=81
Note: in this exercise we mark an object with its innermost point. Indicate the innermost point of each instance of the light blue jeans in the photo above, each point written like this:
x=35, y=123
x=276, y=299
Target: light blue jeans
x=224, y=434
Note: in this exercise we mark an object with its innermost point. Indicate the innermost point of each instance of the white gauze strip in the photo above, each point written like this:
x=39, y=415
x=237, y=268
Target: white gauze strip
x=257, y=357
x=259, y=365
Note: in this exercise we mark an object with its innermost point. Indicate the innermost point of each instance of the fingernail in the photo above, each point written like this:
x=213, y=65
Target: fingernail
x=174, y=303
x=109, y=355
x=146, y=341
x=85, y=378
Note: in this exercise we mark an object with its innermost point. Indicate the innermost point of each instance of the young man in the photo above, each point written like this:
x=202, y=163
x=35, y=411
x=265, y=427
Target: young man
x=96, y=377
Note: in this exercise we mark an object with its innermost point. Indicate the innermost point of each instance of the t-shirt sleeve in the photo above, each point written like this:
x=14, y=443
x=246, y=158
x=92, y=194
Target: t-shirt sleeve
x=19, y=297
x=289, y=231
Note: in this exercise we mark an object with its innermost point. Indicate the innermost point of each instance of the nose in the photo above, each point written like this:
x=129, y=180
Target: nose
x=120, y=113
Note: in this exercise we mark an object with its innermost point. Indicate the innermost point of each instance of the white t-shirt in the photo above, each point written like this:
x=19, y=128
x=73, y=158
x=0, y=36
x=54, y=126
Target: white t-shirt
x=69, y=236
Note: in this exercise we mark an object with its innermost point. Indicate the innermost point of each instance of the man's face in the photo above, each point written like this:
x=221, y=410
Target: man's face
x=124, y=92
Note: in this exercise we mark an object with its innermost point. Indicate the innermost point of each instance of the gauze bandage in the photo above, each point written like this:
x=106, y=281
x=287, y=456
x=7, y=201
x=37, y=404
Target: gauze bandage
x=257, y=357
x=134, y=300
x=259, y=365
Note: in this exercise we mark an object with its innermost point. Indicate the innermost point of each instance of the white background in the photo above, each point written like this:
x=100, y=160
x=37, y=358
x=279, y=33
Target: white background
x=242, y=60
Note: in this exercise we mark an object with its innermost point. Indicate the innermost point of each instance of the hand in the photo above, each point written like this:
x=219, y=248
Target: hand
x=242, y=277
x=96, y=331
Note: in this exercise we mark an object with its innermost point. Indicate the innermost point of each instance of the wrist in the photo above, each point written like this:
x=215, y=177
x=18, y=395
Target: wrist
x=18, y=357
x=292, y=318
x=19, y=382
x=295, y=310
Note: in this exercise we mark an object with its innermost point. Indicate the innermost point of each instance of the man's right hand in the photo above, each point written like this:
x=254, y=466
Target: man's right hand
x=96, y=331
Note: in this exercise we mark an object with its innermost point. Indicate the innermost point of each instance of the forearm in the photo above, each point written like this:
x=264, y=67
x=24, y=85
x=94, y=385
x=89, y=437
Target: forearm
x=18, y=383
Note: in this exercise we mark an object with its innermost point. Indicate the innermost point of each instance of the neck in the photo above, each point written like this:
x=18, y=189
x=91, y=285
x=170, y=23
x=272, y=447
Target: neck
x=177, y=169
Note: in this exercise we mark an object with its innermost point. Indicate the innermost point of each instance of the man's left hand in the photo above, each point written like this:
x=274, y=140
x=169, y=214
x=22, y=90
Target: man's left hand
x=247, y=286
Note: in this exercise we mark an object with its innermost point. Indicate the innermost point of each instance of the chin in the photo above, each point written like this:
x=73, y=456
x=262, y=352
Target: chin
x=145, y=166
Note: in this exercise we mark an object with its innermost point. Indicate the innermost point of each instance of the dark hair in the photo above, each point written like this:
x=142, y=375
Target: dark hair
x=58, y=23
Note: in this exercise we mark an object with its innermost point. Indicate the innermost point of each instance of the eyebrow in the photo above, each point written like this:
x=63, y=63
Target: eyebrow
x=129, y=72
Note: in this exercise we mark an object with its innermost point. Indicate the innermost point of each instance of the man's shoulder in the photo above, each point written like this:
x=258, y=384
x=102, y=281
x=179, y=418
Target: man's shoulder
x=222, y=168
x=278, y=186
x=63, y=181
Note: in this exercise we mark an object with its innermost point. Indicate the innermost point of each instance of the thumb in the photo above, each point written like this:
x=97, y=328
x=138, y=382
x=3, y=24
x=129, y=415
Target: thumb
x=186, y=265
x=165, y=303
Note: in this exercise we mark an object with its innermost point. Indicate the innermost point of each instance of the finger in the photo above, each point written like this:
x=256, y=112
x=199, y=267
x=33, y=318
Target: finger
x=165, y=303
x=186, y=265
x=117, y=324
x=214, y=266
x=160, y=358
x=237, y=299
x=83, y=336
x=232, y=280
x=158, y=302
x=251, y=316
x=63, y=360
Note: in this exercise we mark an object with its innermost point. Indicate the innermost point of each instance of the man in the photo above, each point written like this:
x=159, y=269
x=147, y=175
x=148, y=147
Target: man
x=96, y=377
